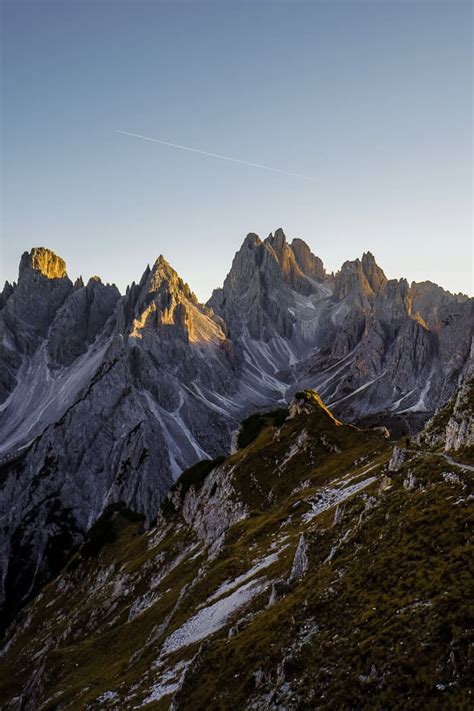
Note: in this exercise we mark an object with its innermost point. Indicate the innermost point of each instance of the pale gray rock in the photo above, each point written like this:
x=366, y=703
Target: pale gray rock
x=460, y=427
x=80, y=321
x=254, y=298
x=410, y=482
x=300, y=561
x=309, y=264
x=42, y=288
x=452, y=427
x=213, y=509
x=8, y=290
x=28, y=310
x=399, y=457
x=131, y=412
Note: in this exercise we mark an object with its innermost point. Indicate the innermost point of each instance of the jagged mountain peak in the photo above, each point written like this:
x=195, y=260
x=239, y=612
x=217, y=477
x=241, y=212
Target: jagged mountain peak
x=359, y=276
x=161, y=262
x=163, y=278
x=251, y=241
x=276, y=240
x=8, y=290
x=45, y=261
x=297, y=263
x=295, y=256
x=163, y=302
x=310, y=264
x=375, y=274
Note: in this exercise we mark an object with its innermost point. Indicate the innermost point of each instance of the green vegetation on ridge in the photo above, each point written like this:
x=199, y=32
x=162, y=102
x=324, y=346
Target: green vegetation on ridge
x=379, y=618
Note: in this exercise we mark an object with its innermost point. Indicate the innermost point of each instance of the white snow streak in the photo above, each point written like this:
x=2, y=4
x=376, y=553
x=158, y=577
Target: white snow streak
x=210, y=619
x=330, y=497
x=229, y=585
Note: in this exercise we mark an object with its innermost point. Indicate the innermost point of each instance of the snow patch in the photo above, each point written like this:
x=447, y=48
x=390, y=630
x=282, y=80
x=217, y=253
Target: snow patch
x=295, y=448
x=211, y=619
x=330, y=497
x=169, y=683
x=232, y=584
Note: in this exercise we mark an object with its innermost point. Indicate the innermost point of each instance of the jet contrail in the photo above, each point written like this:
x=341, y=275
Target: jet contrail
x=216, y=155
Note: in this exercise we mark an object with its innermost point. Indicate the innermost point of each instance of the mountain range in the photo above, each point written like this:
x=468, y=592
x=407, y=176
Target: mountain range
x=108, y=398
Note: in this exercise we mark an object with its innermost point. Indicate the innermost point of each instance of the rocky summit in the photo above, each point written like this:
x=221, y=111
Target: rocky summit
x=106, y=399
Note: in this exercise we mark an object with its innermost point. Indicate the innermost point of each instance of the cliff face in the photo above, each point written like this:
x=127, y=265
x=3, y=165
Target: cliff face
x=110, y=405
x=452, y=426
x=107, y=397
x=368, y=344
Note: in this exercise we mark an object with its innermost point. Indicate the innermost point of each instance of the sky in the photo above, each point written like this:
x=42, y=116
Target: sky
x=372, y=100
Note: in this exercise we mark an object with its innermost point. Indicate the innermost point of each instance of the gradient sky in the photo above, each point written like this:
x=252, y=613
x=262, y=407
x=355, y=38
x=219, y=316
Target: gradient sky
x=371, y=99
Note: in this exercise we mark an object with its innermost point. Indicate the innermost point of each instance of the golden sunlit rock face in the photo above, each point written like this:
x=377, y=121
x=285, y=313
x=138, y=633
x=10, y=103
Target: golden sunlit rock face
x=420, y=320
x=174, y=309
x=48, y=263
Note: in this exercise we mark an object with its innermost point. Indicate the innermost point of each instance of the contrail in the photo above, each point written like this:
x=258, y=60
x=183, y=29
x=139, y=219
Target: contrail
x=216, y=155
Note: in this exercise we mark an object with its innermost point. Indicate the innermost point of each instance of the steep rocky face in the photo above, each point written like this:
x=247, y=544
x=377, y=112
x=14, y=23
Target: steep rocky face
x=8, y=290
x=164, y=306
x=248, y=300
x=460, y=427
x=80, y=321
x=367, y=343
x=53, y=337
x=28, y=310
x=389, y=350
x=452, y=426
x=45, y=262
x=43, y=285
x=322, y=579
x=264, y=293
x=309, y=264
x=361, y=279
x=271, y=309
x=118, y=390
x=293, y=264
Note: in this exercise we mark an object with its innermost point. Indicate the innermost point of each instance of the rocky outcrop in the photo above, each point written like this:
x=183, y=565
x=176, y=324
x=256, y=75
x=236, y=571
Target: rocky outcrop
x=300, y=561
x=399, y=457
x=366, y=343
x=27, y=311
x=8, y=290
x=452, y=426
x=214, y=509
x=81, y=320
x=361, y=278
x=309, y=264
x=460, y=426
x=254, y=298
x=45, y=262
x=43, y=286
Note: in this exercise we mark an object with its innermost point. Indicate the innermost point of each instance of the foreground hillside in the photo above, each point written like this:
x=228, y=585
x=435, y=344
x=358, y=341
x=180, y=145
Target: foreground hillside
x=309, y=569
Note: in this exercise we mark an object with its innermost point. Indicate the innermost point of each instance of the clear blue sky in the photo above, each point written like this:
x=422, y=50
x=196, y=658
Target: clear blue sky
x=371, y=99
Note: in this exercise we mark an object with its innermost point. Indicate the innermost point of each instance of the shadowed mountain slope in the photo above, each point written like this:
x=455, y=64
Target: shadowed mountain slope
x=310, y=568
